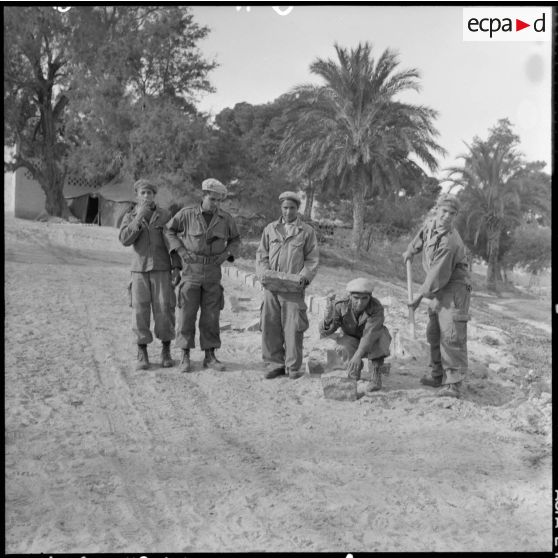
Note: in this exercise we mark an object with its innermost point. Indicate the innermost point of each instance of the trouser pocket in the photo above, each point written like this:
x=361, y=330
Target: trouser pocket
x=222, y=301
x=459, y=330
x=130, y=294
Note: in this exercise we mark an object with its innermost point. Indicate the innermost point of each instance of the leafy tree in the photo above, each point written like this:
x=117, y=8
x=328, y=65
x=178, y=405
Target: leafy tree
x=499, y=187
x=353, y=129
x=247, y=138
x=36, y=53
x=531, y=248
x=76, y=84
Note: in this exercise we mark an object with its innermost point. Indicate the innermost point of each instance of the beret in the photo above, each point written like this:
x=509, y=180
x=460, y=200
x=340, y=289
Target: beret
x=360, y=285
x=288, y=195
x=143, y=183
x=449, y=201
x=213, y=185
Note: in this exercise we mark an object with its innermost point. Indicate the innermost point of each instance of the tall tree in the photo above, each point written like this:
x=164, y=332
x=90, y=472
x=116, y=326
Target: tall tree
x=36, y=54
x=499, y=188
x=360, y=132
x=86, y=78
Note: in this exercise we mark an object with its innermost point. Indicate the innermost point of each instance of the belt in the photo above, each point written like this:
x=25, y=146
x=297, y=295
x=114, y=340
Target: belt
x=202, y=259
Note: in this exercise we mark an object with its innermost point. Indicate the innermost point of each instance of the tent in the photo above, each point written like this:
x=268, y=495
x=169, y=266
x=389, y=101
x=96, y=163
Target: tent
x=104, y=205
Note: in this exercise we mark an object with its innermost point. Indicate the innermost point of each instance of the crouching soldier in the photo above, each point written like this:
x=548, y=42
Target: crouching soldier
x=150, y=286
x=361, y=319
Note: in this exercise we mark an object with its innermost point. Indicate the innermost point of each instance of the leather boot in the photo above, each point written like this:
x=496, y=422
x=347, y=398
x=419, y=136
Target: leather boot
x=451, y=390
x=433, y=381
x=185, y=365
x=294, y=374
x=210, y=361
x=271, y=373
x=375, y=383
x=142, y=362
x=166, y=359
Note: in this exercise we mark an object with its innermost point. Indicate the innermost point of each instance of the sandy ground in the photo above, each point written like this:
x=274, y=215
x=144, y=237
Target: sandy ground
x=103, y=458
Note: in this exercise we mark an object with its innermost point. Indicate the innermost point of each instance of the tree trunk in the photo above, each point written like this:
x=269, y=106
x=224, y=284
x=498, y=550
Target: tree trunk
x=358, y=217
x=309, y=191
x=52, y=179
x=55, y=204
x=493, y=275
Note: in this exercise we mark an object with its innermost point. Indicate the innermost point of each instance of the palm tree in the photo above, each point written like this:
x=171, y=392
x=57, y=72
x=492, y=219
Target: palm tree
x=497, y=188
x=351, y=128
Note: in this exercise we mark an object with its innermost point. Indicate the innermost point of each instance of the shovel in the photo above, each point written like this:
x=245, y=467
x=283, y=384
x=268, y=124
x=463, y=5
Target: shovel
x=410, y=296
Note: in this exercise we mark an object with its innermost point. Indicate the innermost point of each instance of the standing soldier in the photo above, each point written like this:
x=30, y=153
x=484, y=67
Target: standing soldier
x=361, y=318
x=286, y=261
x=447, y=283
x=204, y=236
x=150, y=287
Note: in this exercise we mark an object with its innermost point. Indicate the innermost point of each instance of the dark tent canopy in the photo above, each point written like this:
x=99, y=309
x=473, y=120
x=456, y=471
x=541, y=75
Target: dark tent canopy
x=104, y=205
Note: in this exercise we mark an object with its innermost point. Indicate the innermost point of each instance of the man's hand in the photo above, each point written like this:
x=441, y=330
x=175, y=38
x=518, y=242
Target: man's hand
x=183, y=253
x=144, y=213
x=175, y=276
x=353, y=368
x=407, y=256
x=222, y=258
x=414, y=304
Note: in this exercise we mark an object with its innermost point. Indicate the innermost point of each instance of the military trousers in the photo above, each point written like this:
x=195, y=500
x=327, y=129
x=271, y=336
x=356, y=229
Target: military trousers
x=283, y=323
x=378, y=349
x=446, y=332
x=152, y=291
x=199, y=290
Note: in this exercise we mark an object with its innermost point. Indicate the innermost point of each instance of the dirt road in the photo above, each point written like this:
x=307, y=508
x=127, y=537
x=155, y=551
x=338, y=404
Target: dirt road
x=103, y=458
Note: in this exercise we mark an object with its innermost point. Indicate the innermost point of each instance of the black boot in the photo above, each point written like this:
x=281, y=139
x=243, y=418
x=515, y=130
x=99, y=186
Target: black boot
x=142, y=362
x=433, y=381
x=185, y=365
x=166, y=359
x=210, y=361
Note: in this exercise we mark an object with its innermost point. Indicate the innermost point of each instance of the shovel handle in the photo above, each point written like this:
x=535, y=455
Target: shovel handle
x=410, y=297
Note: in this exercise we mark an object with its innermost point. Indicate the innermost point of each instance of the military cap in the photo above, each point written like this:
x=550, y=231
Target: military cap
x=213, y=185
x=449, y=201
x=360, y=285
x=143, y=183
x=288, y=195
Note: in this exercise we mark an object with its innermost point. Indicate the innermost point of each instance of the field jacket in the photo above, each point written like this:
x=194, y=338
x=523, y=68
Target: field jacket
x=203, y=243
x=297, y=253
x=368, y=327
x=150, y=246
x=443, y=258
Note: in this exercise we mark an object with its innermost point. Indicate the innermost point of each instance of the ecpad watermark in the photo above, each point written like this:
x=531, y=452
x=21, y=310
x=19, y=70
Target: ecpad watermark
x=507, y=24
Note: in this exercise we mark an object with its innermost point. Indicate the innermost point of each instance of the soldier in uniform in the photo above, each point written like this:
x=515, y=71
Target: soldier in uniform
x=448, y=285
x=204, y=236
x=150, y=286
x=287, y=246
x=361, y=319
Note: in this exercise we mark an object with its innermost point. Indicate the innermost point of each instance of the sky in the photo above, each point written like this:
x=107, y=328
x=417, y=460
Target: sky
x=262, y=54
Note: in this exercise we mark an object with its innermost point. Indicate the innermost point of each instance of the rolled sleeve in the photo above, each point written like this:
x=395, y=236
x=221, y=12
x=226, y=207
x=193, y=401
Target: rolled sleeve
x=171, y=230
x=439, y=273
x=129, y=230
x=233, y=244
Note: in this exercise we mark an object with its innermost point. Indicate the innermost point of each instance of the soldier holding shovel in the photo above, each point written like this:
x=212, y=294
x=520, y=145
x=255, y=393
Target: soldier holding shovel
x=448, y=285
